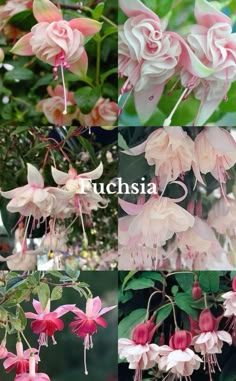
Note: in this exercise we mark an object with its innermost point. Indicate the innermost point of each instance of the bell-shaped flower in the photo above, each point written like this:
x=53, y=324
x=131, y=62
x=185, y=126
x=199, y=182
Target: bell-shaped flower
x=213, y=43
x=85, y=324
x=20, y=360
x=32, y=375
x=46, y=323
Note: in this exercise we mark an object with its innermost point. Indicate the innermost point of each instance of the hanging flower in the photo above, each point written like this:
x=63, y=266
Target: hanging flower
x=32, y=375
x=85, y=324
x=20, y=361
x=46, y=323
x=230, y=307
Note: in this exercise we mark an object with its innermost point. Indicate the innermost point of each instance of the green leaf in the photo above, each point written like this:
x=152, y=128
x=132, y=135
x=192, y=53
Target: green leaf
x=155, y=275
x=19, y=130
x=86, y=98
x=163, y=312
x=127, y=278
x=174, y=290
x=15, y=282
x=24, y=20
x=97, y=12
x=110, y=31
x=121, y=142
x=209, y=281
x=184, y=301
x=107, y=74
x=56, y=293
x=139, y=284
x=44, y=294
x=185, y=280
x=19, y=74
x=21, y=316
x=124, y=296
x=73, y=274
x=129, y=322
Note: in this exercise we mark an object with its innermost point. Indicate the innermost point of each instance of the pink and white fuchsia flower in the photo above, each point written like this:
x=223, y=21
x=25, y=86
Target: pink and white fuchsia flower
x=210, y=341
x=177, y=358
x=58, y=42
x=138, y=350
x=46, y=323
x=20, y=360
x=85, y=324
x=214, y=44
x=230, y=307
x=149, y=56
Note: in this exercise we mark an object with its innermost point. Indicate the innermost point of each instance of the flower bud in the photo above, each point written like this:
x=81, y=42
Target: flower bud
x=2, y=55
x=196, y=291
x=180, y=340
x=234, y=284
x=143, y=332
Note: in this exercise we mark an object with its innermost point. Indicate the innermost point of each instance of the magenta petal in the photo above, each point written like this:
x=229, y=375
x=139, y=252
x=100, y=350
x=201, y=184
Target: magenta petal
x=100, y=321
x=46, y=11
x=86, y=26
x=23, y=47
x=135, y=8
x=129, y=208
x=146, y=101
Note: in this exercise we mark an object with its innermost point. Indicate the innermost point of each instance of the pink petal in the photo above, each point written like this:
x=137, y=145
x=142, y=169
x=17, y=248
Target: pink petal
x=34, y=176
x=14, y=192
x=100, y=321
x=95, y=174
x=31, y=315
x=9, y=361
x=45, y=10
x=206, y=14
x=37, y=306
x=129, y=208
x=206, y=110
x=23, y=47
x=93, y=306
x=79, y=313
x=80, y=67
x=62, y=310
x=220, y=139
x=60, y=177
x=135, y=8
x=146, y=101
x=106, y=309
x=86, y=26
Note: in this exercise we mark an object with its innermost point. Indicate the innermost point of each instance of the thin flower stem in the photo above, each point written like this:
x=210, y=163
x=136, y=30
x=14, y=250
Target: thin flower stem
x=98, y=64
x=109, y=21
x=149, y=301
x=22, y=334
x=205, y=300
x=173, y=309
x=72, y=223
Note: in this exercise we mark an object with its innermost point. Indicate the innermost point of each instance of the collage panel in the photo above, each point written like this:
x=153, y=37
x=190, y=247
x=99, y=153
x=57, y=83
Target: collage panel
x=54, y=325
x=177, y=210
x=177, y=325
x=177, y=63
x=55, y=213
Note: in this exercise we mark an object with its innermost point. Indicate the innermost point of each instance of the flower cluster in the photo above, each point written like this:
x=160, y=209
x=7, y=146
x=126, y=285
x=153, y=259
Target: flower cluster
x=188, y=350
x=150, y=55
x=146, y=231
x=73, y=197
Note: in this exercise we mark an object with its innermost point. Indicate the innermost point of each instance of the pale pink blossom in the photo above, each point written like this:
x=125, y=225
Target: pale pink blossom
x=222, y=216
x=214, y=44
x=216, y=152
x=104, y=113
x=53, y=107
x=85, y=324
x=46, y=323
x=172, y=152
x=20, y=360
x=177, y=358
x=149, y=56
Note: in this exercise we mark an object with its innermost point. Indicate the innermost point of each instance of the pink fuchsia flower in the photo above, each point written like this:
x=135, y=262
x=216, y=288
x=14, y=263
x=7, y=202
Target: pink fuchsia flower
x=216, y=152
x=172, y=152
x=200, y=249
x=53, y=107
x=177, y=358
x=210, y=341
x=149, y=56
x=32, y=375
x=214, y=44
x=103, y=114
x=155, y=221
x=58, y=42
x=46, y=323
x=138, y=350
x=230, y=308
x=20, y=361
x=85, y=324
x=3, y=350
x=222, y=216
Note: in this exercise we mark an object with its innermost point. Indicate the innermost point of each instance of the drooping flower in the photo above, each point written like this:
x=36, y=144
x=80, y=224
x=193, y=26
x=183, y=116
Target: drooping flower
x=46, y=323
x=210, y=341
x=177, y=358
x=104, y=113
x=172, y=152
x=138, y=350
x=53, y=107
x=230, y=307
x=214, y=44
x=20, y=360
x=196, y=290
x=149, y=56
x=216, y=152
x=58, y=42
x=32, y=375
x=85, y=324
